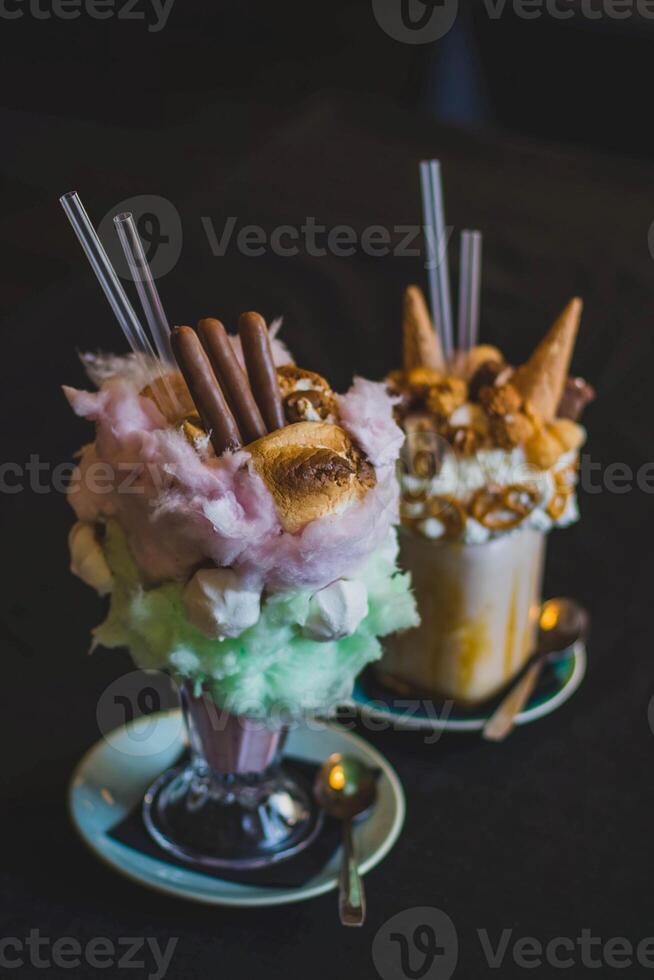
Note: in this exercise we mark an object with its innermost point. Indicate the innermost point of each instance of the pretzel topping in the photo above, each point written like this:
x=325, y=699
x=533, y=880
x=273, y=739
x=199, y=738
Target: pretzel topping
x=503, y=508
x=449, y=512
x=564, y=485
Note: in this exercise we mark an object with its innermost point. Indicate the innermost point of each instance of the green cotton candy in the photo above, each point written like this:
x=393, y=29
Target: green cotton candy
x=271, y=669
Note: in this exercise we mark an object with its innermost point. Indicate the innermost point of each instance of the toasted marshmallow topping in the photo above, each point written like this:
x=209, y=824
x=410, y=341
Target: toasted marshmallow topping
x=307, y=396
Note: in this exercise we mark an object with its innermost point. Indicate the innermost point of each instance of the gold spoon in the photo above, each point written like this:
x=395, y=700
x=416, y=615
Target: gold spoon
x=345, y=788
x=561, y=623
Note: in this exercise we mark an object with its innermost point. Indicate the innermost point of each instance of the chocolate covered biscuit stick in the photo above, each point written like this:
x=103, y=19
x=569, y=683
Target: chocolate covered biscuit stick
x=232, y=378
x=205, y=390
x=261, y=369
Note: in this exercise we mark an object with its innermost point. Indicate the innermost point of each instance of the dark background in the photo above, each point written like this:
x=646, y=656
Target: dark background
x=272, y=113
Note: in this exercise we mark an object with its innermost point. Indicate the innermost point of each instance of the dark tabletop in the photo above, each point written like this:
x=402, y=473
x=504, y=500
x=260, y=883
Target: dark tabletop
x=545, y=835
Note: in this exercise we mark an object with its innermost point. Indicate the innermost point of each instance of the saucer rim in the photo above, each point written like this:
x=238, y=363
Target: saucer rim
x=109, y=851
x=560, y=696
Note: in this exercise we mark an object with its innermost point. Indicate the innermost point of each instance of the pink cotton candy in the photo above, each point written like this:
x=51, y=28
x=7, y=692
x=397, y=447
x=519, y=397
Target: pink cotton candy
x=119, y=401
x=86, y=404
x=180, y=510
x=367, y=413
x=331, y=547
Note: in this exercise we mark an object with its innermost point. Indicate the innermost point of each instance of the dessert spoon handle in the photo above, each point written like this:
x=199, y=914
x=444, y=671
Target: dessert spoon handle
x=351, y=898
x=502, y=721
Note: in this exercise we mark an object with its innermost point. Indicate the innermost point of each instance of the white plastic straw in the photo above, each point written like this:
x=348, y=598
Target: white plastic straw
x=469, y=289
x=435, y=229
x=145, y=285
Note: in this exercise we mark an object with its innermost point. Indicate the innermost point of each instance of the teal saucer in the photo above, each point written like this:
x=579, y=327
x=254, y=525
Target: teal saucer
x=558, y=684
x=113, y=776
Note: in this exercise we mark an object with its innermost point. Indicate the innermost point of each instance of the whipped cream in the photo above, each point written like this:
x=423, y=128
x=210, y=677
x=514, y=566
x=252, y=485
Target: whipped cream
x=459, y=477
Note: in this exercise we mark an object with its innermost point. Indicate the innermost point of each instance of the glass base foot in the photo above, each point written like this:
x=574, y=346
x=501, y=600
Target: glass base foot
x=234, y=821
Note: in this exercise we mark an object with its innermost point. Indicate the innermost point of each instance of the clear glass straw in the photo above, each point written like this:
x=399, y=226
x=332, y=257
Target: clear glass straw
x=106, y=274
x=145, y=285
x=111, y=285
x=464, y=277
x=442, y=266
x=469, y=289
x=432, y=249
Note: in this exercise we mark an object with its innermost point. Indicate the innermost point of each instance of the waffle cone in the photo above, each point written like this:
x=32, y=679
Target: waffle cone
x=542, y=379
x=420, y=345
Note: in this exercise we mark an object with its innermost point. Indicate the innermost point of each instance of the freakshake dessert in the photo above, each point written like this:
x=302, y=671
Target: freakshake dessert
x=243, y=529
x=489, y=468
x=240, y=517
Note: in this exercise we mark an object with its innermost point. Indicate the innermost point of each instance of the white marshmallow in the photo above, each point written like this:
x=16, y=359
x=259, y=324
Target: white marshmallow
x=87, y=559
x=337, y=610
x=432, y=528
x=219, y=605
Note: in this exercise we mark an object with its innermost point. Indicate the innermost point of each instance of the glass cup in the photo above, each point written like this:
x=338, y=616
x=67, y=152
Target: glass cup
x=479, y=606
x=233, y=805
